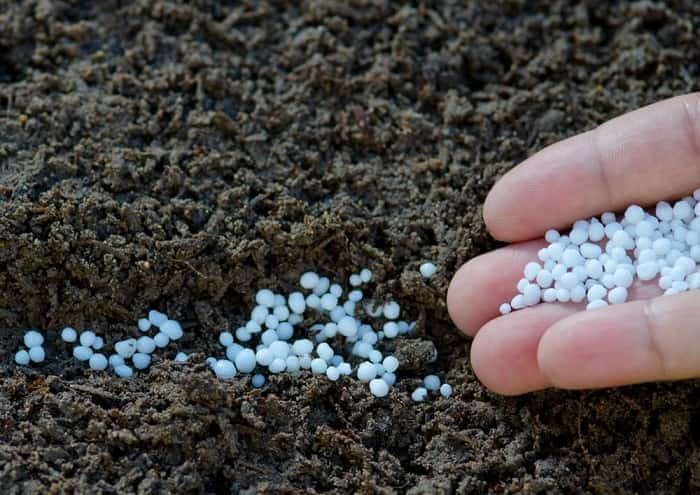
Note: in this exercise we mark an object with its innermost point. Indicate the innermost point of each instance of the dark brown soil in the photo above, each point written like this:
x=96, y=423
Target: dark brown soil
x=157, y=154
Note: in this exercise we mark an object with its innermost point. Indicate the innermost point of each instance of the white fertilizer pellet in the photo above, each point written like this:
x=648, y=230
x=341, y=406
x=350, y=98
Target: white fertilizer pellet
x=431, y=382
x=181, y=357
x=22, y=358
x=33, y=338
x=427, y=270
x=378, y=387
x=69, y=335
x=257, y=380
x=445, y=390
x=82, y=353
x=419, y=394
x=98, y=362
x=224, y=369
x=37, y=354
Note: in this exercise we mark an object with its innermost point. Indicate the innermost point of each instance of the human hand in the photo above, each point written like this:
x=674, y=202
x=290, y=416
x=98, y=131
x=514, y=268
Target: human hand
x=642, y=157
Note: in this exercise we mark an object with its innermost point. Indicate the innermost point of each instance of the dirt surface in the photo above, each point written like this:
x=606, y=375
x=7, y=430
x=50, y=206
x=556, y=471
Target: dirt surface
x=157, y=154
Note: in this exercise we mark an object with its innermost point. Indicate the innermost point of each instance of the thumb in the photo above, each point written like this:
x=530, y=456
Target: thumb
x=642, y=341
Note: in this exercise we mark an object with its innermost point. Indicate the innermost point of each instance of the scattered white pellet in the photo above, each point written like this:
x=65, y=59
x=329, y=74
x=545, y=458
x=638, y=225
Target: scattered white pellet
x=98, y=343
x=297, y=302
x=332, y=373
x=389, y=378
x=124, y=371
x=324, y=351
x=172, y=329
x=391, y=310
x=144, y=324
x=157, y=318
x=82, y=353
x=98, y=362
x=125, y=348
x=378, y=387
x=33, y=338
x=225, y=338
x=257, y=380
x=145, y=345
x=366, y=371
x=181, y=357
x=419, y=394
x=431, y=382
x=391, y=364
x=87, y=338
x=224, y=369
x=318, y=366
x=265, y=297
x=445, y=390
x=309, y=280
x=141, y=361
x=37, y=354
x=278, y=365
x=22, y=358
x=161, y=339
x=365, y=275
x=69, y=335
x=427, y=270
x=115, y=360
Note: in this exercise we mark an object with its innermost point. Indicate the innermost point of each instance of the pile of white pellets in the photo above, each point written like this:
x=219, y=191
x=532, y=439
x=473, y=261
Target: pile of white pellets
x=338, y=343
x=600, y=258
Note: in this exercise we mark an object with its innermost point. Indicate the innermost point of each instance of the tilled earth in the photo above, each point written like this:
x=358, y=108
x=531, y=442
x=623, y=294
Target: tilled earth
x=182, y=155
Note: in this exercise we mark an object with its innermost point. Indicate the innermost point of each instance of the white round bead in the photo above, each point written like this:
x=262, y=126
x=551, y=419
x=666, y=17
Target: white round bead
x=366, y=371
x=432, y=382
x=378, y=387
x=172, y=329
x=22, y=358
x=419, y=394
x=98, y=362
x=427, y=270
x=141, y=361
x=332, y=373
x=599, y=303
x=82, y=353
x=318, y=366
x=156, y=317
x=224, y=369
x=391, y=310
x=37, y=354
x=618, y=295
x=144, y=324
x=69, y=335
x=33, y=338
x=123, y=371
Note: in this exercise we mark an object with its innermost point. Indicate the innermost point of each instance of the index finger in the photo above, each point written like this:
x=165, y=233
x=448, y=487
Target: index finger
x=640, y=157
